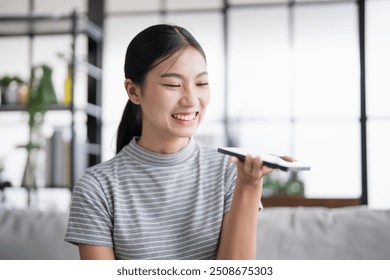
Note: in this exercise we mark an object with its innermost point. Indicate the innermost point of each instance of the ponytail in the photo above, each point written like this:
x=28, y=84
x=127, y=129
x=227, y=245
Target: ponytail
x=130, y=125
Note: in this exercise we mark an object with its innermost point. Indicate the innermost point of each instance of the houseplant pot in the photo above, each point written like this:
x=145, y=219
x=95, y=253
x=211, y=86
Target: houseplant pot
x=9, y=89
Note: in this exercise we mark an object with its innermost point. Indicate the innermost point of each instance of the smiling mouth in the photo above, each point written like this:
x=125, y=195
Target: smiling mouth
x=185, y=117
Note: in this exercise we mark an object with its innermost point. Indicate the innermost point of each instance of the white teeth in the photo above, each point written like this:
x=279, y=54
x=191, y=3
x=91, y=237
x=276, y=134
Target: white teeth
x=184, y=117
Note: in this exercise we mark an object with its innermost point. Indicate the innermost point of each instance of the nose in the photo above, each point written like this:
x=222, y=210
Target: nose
x=189, y=97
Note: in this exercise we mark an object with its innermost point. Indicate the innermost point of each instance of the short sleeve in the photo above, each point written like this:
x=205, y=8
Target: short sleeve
x=90, y=221
x=230, y=182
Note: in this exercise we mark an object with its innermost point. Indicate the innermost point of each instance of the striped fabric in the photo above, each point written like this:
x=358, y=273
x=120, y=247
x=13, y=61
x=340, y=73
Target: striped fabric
x=153, y=206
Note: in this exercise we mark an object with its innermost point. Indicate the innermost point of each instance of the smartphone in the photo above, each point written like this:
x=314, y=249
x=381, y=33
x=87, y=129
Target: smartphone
x=272, y=161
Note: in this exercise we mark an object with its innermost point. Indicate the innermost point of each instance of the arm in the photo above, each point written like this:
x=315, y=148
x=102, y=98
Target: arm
x=93, y=252
x=239, y=226
x=90, y=220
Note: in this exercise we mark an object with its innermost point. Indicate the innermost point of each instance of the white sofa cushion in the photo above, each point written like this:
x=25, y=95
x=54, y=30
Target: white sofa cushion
x=320, y=233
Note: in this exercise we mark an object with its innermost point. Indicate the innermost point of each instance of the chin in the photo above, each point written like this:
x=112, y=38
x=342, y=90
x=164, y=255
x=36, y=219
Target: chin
x=185, y=134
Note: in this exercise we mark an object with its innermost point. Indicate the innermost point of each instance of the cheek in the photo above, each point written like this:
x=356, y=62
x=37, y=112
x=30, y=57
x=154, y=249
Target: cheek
x=154, y=99
x=161, y=106
x=204, y=99
x=157, y=107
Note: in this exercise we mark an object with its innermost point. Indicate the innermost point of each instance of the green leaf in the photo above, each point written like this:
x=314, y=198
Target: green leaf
x=41, y=94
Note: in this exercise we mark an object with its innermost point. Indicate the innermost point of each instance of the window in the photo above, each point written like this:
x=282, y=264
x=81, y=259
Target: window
x=293, y=82
x=378, y=101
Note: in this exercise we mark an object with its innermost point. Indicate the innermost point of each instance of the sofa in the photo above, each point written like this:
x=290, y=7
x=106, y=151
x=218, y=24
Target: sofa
x=283, y=233
x=318, y=233
x=30, y=234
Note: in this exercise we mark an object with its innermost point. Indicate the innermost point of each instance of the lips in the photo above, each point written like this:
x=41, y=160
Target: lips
x=185, y=116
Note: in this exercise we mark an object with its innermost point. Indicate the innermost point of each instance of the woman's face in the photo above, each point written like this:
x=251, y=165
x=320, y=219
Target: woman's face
x=174, y=96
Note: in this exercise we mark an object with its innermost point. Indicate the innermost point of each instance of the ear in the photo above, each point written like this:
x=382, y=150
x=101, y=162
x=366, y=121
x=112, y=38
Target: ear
x=133, y=91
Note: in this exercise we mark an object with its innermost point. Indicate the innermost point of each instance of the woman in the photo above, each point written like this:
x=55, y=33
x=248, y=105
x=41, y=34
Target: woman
x=164, y=195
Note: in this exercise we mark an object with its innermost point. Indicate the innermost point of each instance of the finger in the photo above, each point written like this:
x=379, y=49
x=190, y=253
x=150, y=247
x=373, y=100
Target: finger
x=248, y=164
x=288, y=158
x=257, y=171
x=266, y=170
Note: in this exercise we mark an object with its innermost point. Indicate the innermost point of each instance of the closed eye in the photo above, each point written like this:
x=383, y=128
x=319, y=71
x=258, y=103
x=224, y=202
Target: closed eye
x=202, y=84
x=171, y=85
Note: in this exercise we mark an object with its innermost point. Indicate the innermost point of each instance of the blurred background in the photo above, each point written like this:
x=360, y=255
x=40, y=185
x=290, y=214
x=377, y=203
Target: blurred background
x=307, y=78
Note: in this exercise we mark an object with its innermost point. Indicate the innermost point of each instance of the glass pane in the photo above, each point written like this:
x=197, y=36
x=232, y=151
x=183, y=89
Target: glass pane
x=193, y=4
x=322, y=1
x=265, y=137
x=119, y=31
x=378, y=166
x=238, y=2
x=378, y=101
x=12, y=6
x=378, y=58
x=44, y=6
x=333, y=151
x=207, y=29
x=120, y=6
x=259, y=82
x=326, y=61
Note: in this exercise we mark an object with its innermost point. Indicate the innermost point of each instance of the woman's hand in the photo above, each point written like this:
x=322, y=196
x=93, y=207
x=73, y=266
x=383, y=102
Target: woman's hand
x=251, y=171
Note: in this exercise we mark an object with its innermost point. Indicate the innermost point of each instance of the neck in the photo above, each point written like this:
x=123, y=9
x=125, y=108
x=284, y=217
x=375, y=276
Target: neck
x=163, y=146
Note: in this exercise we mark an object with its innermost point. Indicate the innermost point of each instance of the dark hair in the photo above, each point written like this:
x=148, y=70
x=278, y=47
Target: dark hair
x=148, y=49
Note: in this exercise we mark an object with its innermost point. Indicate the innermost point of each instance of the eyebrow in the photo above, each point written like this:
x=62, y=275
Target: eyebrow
x=177, y=75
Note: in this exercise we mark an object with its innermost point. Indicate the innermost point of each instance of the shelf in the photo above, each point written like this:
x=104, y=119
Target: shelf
x=36, y=24
x=90, y=148
x=92, y=70
x=90, y=109
x=94, y=110
x=32, y=25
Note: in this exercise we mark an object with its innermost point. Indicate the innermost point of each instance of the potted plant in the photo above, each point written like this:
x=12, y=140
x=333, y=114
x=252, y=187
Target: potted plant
x=293, y=186
x=41, y=94
x=9, y=89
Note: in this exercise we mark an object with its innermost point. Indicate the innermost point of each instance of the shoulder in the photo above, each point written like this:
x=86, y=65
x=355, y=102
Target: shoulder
x=218, y=164
x=210, y=155
x=208, y=151
x=102, y=167
x=106, y=172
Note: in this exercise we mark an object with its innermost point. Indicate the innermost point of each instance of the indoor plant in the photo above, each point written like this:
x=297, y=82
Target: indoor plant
x=9, y=89
x=41, y=94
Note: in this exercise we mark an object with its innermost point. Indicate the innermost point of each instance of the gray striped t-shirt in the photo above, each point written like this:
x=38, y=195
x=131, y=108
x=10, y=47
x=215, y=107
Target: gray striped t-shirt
x=154, y=206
